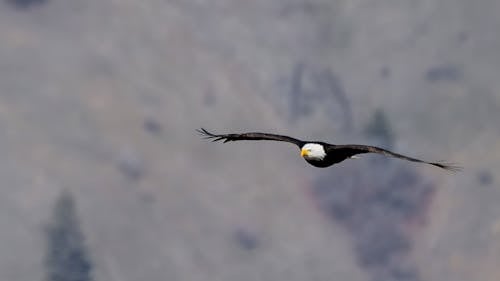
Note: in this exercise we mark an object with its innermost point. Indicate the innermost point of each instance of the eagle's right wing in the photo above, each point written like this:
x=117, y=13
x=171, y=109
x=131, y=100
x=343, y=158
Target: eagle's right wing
x=249, y=136
x=350, y=150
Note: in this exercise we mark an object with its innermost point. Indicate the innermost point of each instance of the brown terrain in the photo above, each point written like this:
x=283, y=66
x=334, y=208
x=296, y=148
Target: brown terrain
x=102, y=98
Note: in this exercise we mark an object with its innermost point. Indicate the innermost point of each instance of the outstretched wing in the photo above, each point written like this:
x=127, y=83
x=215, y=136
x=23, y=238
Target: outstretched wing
x=248, y=136
x=350, y=150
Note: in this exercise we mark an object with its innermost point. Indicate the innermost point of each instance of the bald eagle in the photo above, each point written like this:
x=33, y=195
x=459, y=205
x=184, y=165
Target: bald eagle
x=321, y=154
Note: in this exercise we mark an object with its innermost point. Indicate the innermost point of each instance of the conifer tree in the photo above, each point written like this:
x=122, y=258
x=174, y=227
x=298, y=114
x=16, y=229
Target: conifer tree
x=66, y=258
x=380, y=129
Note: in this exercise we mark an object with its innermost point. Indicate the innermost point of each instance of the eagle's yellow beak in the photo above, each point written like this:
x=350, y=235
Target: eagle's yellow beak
x=304, y=152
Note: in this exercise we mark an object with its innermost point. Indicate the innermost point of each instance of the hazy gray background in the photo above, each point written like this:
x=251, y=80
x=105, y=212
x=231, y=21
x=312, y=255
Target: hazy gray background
x=101, y=98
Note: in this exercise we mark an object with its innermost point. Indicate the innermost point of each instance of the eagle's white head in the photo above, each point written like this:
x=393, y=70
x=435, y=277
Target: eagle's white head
x=313, y=151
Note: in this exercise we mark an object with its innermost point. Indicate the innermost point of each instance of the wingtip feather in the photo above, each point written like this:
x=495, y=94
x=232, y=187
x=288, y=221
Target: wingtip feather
x=209, y=136
x=452, y=167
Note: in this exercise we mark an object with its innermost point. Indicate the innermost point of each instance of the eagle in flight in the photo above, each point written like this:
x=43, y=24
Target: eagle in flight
x=321, y=154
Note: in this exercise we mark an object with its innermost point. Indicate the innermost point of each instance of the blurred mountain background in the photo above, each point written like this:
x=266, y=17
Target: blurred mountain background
x=104, y=178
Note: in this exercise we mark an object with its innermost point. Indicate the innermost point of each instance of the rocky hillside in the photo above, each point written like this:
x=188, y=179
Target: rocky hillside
x=101, y=99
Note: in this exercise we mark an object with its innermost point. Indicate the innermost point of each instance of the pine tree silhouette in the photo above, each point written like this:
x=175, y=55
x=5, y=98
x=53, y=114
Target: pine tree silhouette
x=66, y=258
x=380, y=129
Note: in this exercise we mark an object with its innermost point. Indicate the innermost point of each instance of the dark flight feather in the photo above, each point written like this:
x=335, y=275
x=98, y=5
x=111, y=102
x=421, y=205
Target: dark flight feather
x=249, y=136
x=352, y=149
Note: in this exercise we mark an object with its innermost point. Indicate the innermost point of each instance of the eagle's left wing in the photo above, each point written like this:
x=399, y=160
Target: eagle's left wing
x=249, y=136
x=350, y=150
